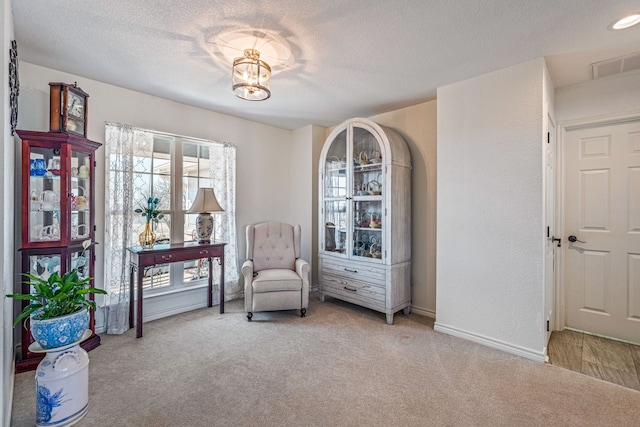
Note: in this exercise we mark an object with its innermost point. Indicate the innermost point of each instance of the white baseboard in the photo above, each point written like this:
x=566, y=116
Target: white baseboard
x=491, y=342
x=166, y=310
x=173, y=311
x=423, y=312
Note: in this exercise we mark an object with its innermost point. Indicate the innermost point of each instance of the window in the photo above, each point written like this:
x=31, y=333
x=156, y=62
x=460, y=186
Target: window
x=171, y=169
x=140, y=164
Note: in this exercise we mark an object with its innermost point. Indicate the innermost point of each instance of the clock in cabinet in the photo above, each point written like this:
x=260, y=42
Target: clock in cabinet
x=58, y=215
x=365, y=217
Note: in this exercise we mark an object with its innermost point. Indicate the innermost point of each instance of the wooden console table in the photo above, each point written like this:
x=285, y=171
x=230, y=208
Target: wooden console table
x=141, y=259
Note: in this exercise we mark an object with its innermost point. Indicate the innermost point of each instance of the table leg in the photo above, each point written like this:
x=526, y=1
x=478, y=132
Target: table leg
x=221, y=261
x=210, y=288
x=132, y=269
x=139, y=314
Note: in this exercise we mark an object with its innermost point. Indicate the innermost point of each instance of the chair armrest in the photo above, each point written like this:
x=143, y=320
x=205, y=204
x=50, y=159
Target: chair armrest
x=247, y=269
x=247, y=273
x=303, y=268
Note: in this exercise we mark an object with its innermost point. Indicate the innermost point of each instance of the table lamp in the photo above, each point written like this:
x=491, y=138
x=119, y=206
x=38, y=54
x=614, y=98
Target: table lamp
x=205, y=203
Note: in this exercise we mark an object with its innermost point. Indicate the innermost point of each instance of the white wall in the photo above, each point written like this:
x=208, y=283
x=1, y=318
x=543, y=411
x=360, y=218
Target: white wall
x=304, y=190
x=7, y=253
x=599, y=98
x=490, y=209
x=264, y=156
x=418, y=125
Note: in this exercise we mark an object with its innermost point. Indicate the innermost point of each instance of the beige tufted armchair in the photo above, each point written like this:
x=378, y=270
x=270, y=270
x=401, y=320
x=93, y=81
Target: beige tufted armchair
x=275, y=278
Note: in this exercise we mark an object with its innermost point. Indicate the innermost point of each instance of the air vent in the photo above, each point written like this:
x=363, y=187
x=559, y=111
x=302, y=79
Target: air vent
x=611, y=67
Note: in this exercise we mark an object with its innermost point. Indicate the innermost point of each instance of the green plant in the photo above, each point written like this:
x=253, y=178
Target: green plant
x=58, y=295
x=151, y=211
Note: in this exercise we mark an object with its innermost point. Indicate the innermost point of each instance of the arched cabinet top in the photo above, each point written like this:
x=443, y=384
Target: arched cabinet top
x=392, y=143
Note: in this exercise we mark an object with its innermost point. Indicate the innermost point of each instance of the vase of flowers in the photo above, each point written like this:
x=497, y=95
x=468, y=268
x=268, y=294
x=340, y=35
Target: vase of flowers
x=148, y=238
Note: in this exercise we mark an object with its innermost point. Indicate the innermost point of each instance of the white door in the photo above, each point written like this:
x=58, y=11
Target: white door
x=602, y=230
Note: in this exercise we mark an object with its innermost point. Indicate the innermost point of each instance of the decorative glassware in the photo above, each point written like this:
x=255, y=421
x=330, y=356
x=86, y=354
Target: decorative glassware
x=147, y=238
x=40, y=167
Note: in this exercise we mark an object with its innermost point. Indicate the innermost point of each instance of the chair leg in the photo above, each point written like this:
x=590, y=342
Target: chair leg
x=303, y=312
x=249, y=316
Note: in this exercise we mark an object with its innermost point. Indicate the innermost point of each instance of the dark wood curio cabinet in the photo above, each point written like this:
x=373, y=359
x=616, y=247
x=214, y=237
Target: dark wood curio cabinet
x=58, y=215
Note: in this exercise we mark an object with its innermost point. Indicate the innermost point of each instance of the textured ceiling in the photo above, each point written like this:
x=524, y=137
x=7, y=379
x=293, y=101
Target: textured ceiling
x=343, y=58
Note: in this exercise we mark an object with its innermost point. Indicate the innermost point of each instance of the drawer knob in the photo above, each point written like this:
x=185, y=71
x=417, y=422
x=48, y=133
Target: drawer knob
x=350, y=271
x=204, y=252
x=166, y=256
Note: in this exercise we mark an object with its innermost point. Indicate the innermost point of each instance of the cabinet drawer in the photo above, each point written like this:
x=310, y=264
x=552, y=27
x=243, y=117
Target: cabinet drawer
x=163, y=259
x=353, y=289
x=355, y=271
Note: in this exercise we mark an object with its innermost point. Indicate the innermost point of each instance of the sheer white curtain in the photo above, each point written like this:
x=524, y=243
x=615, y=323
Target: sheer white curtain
x=121, y=143
x=125, y=145
x=222, y=166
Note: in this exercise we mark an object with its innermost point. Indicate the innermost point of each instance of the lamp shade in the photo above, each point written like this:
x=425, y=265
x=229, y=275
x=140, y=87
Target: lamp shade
x=205, y=201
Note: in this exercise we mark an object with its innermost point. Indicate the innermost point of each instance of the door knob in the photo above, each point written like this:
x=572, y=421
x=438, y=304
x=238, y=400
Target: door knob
x=575, y=239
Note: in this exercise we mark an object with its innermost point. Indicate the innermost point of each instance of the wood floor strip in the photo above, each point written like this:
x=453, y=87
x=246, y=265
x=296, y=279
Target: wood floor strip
x=611, y=375
x=613, y=354
x=613, y=361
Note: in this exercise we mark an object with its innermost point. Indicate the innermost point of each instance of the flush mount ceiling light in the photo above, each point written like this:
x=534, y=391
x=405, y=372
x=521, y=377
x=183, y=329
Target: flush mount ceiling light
x=250, y=77
x=626, y=22
x=269, y=50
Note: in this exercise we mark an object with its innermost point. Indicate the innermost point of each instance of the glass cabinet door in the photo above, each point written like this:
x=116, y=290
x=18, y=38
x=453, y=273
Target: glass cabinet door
x=335, y=193
x=80, y=205
x=44, y=194
x=43, y=266
x=367, y=228
x=335, y=232
x=367, y=194
x=80, y=259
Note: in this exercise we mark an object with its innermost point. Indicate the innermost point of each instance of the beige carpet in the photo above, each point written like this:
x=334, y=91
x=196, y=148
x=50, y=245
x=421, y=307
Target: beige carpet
x=342, y=365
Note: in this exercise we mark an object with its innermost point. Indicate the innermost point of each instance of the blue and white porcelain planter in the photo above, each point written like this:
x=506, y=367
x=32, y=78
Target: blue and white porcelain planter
x=62, y=384
x=59, y=331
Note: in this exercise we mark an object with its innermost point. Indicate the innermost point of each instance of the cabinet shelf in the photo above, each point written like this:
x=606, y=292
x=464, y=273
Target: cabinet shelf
x=43, y=177
x=370, y=167
x=366, y=198
x=52, y=211
x=367, y=228
x=341, y=170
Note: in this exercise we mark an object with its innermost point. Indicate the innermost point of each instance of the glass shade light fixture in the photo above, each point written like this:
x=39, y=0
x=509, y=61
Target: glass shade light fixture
x=250, y=77
x=626, y=22
x=205, y=203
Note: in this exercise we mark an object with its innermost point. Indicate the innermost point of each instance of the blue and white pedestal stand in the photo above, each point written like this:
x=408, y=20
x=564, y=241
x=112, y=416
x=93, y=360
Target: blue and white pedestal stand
x=62, y=384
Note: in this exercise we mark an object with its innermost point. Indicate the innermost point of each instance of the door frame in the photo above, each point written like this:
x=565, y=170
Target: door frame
x=550, y=216
x=558, y=322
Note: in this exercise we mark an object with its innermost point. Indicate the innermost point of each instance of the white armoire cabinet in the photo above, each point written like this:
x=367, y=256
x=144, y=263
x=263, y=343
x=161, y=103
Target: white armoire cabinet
x=365, y=217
